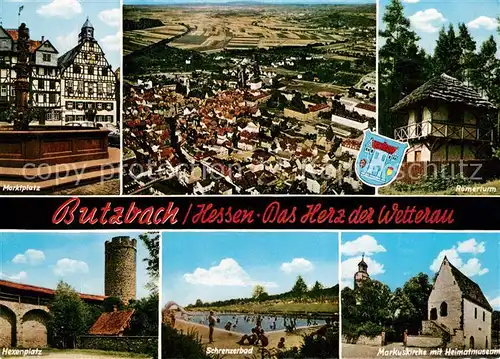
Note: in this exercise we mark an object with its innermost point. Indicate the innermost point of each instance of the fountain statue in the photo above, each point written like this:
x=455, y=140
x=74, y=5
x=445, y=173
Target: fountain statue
x=23, y=114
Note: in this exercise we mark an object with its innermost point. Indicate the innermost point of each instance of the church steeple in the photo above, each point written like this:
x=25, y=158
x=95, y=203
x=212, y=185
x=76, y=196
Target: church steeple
x=87, y=32
x=362, y=266
x=362, y=273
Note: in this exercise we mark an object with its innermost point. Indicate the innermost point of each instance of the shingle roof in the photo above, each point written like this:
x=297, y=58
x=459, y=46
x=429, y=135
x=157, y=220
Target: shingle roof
x=67, y=59
x=445, y=88
x=35, y=289
x=87, y=24
x=470, y=290
x=112, y=323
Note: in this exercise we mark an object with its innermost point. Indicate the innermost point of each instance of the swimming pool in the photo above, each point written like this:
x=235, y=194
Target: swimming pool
x=244, y=323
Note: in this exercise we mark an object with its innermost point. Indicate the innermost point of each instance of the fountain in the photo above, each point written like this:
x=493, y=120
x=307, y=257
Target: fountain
x=25, y=147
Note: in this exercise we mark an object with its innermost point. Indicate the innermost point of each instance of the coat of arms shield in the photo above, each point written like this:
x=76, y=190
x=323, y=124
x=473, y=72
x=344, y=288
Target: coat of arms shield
x=379, y=159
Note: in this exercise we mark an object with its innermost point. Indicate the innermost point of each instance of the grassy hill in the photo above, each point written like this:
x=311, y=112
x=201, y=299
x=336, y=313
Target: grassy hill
x=320, y=301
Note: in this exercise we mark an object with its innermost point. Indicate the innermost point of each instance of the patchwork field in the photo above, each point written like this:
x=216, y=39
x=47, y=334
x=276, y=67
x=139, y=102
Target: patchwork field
x=212, y=28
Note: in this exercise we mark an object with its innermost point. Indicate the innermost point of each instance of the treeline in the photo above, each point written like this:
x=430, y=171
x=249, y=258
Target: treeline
x=143, y=23
x=160, y=57
x=298, y=292
x=372, y=308
x=404, y=65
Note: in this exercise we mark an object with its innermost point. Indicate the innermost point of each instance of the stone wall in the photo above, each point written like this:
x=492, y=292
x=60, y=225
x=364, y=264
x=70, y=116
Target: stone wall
x=34, y=329
x=120, y=268
x=364, y=340
x=23, y=325
x=421, y=341
x=120, y=344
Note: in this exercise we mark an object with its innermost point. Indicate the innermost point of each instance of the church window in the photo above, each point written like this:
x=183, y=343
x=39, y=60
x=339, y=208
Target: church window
x=475, y=313
x=484, y=316
x=443, y=309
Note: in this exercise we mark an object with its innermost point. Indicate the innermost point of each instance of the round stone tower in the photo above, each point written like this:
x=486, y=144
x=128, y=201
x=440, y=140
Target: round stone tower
x=120, y=268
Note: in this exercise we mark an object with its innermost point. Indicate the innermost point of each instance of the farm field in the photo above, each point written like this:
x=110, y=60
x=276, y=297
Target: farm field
x=213, y=28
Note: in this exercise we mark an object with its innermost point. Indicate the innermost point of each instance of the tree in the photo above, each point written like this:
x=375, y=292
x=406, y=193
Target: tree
x=69, y=316
x=110, y=302
x=259, y=292
x=410, y=302
x=198, y=303
x=402, y=65
x=297, y=104
x=447, y=54
x=317, y=288
x=486, y=75
x=300, y=287
x=145, y=319
x=151, y=241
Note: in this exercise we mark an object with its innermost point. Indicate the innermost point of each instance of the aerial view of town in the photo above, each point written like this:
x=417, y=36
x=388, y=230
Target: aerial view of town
x=247, y=98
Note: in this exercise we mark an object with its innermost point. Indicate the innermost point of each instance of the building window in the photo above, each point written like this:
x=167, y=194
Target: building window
x=104, y=71
x=77, y=69
x=475, y=313
x=434, y=314
x=443, y=309
x=41, y=84
x=52, y=98
x=91, y=70
x=3, y=91
x=46, y=57
x=484, y=316
x=52, y=85
x=69, y=118
x=109, y=118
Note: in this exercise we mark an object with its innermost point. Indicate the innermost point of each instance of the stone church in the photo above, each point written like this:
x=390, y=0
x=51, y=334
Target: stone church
x=458, y=311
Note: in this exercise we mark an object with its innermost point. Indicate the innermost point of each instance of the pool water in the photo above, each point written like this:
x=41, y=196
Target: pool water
x=244, y=323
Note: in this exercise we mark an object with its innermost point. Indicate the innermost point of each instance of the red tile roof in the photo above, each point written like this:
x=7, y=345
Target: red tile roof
x=34, y=44
x=318, y=107
x=42, y=290
x=112, y=323
x=367, y=106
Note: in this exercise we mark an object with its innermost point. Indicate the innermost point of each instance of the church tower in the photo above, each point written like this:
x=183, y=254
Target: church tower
x=87, y=32
x=362, y=273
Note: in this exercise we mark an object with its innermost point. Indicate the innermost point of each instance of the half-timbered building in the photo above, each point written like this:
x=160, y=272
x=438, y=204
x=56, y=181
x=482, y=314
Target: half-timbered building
x=7, y=73
x=87, y=81
x=45, y=91
x=44, y=79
